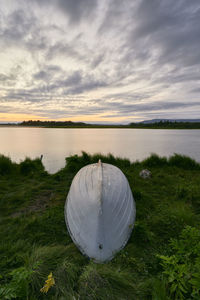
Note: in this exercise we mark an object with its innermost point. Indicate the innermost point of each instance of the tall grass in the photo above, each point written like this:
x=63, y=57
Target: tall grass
x=185, y=162
x=75, y=162
x=6, y=165
x=176, y=160
x=29, y=166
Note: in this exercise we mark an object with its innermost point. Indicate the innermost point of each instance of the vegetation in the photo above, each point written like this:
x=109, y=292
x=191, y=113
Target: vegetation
x=70, y=124
x=38, y=259
x=167, y=125
x=53, y=123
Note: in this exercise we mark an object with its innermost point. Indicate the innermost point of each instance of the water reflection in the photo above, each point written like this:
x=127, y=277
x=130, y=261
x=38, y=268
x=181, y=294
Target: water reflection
x=56, y=144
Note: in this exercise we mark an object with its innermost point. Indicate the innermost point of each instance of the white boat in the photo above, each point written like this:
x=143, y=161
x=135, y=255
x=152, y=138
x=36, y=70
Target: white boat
x=100, y=211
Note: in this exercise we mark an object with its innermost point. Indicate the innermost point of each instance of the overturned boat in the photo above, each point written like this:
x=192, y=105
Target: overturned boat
x=100, y=211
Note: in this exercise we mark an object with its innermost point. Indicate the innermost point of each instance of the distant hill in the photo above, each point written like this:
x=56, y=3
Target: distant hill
x=170, y=120
x=167, y=124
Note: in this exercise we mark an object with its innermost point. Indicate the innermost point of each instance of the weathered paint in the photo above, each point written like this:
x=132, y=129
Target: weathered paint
x=100, y=211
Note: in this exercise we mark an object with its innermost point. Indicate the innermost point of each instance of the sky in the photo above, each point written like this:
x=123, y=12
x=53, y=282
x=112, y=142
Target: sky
x=115, y=61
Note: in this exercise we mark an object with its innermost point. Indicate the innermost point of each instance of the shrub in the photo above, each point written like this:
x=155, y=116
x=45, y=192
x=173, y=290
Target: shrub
x=18, y=287
x=6, y=165
x=155, y=161
x=29, y=166
x=181, y=269
x=75, y=162
x=185, y=162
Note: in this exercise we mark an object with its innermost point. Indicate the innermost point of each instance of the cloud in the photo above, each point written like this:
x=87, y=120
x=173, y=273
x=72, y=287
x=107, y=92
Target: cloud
x=89, y=57
x=47, y=72
x=97, y=60
x=168, y=30
x=88, y=84
x=16, y=26
x=75, y=10
x=63, y=49
x=6, y=78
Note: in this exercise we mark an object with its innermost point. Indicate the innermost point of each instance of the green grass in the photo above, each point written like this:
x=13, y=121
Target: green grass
x=34, y=240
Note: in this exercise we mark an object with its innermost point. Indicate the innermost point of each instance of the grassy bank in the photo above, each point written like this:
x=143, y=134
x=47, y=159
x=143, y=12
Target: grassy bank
x=160, y=261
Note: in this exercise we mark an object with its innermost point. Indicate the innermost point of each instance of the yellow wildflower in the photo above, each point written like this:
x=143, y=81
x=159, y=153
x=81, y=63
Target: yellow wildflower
x=48, y=283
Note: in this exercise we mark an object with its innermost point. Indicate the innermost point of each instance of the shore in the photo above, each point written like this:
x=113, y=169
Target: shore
x=69, y=124
x=34, y=240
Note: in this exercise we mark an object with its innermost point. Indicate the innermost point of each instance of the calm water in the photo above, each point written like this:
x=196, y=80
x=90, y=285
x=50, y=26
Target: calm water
x=56, y=144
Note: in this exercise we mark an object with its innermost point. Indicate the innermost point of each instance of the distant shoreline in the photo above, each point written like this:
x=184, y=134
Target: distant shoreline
x=151, y=124
x=139, y=126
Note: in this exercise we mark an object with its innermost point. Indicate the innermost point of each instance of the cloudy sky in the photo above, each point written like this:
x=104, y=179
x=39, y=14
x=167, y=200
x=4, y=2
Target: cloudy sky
x=99, y=60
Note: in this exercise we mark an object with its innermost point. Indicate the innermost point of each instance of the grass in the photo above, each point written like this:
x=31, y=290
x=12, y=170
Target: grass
x=34, y=240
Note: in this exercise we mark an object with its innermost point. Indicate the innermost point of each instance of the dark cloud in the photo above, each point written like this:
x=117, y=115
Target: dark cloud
x=196, y=90
x=72, y=84
x=119, y=109
x=116, y=18
x=87, y=85
x=41, y=75
x=72, y=80
x=97, y=60
x=155, y=106
x=6, y=78
x=128, y=96
x=168, y=30
x=64, y=49
x=24, y=97
x=16, y=26
x=75, y=83
x=75, y=10
x=47, y=73
x=63, y=81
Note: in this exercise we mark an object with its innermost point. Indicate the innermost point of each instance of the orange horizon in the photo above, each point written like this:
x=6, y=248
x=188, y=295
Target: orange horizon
x=18, y=118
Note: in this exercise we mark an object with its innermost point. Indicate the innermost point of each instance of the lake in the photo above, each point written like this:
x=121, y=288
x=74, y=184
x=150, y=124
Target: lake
x=56, y=143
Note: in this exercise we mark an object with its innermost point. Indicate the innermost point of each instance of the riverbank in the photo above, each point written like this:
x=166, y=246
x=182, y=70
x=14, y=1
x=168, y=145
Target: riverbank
x=34, y=241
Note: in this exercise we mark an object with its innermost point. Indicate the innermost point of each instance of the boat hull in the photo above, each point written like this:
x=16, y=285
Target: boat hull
x=100, y=211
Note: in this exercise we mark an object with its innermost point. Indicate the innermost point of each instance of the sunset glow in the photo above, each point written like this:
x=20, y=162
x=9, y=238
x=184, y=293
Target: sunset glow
x=99, y=61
